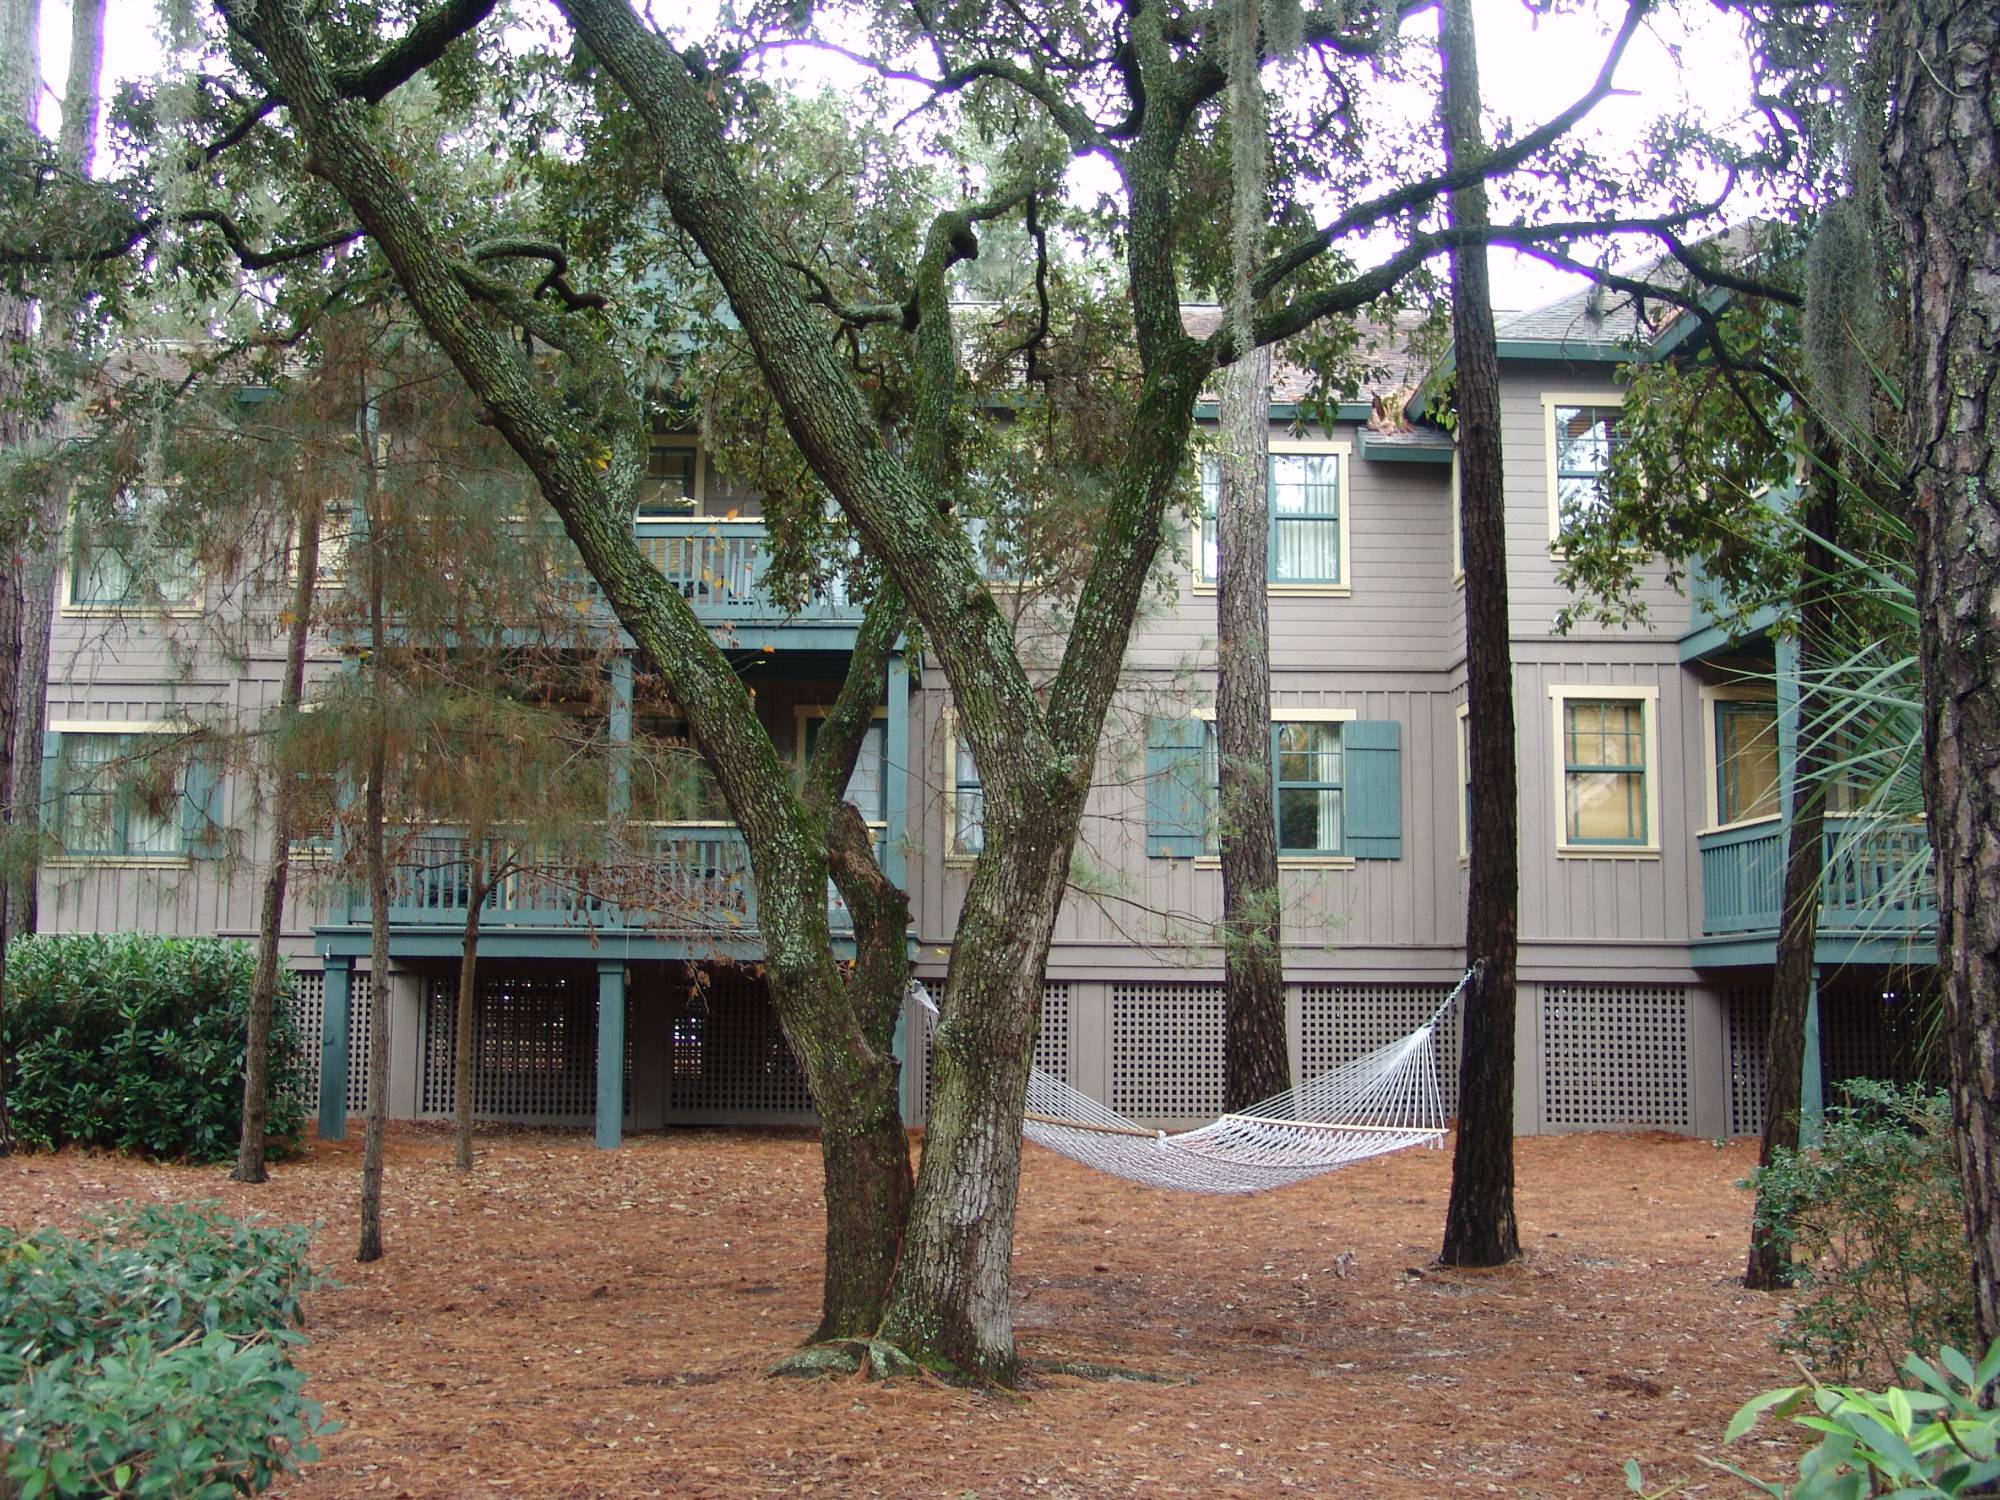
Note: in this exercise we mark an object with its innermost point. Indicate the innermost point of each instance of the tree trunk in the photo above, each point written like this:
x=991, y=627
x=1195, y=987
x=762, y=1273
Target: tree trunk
x=1943, y=159
x=375, y=834
x=271, y=914
x=468, y=996
x=1770, y=1262
x=42, y=579
x=1480, y=1228
x=1256, y=1060
x=949, y=1304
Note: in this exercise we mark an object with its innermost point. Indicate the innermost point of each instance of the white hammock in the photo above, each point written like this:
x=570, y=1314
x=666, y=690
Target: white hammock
x=1385, y=1101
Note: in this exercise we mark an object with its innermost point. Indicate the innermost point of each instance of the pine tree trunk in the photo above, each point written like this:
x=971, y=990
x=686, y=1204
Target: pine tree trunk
x=1770, y=1263
x=1480, y=1228
x=1942, y=160
x=1256, y=1059
x=376, y=855
x=271, y=913
x=468, y=998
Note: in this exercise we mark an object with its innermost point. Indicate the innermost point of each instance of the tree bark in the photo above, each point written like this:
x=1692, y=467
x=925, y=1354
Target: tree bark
x=271, y=913
x=1480, y=1227
x=1256, y=1058
x=1770, y=1263
x=1942, y=160
x=468, y=999
x=42, y=577
x=376, y=856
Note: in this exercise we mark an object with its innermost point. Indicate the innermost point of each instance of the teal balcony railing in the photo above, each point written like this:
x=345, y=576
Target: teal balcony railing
x=719, y=566
x=1878, y=880
x=691, y=880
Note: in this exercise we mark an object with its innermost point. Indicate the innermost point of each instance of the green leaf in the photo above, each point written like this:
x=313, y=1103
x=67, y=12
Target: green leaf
x=1782, y=1402
x=1633, y=1481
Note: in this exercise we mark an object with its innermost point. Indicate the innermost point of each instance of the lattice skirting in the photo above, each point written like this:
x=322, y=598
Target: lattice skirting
x=308, y=1006
x=727, y=1057
x=1052, y=1043
x=1873, y=1023
x=534, y=1048
x=1615, y=1054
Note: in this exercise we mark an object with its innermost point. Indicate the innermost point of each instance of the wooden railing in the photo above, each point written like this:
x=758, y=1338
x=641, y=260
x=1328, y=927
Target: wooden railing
x=688, y=879
x=1878, y=880
x=719, y=567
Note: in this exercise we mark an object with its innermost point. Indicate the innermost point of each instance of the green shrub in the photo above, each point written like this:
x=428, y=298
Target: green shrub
x=135, y=1043
x=149, y=1356
x=1875, y=1221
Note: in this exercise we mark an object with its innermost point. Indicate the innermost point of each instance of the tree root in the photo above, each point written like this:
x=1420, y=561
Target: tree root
x=1090, y=1369
x=872, y=1359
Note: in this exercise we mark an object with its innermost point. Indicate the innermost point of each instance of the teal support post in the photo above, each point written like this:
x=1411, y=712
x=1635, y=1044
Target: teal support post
x=896, y=770
x=333, y=1045
x=1812, y=1081
x=610, y=1054
x=619, y=796
x=896, y=813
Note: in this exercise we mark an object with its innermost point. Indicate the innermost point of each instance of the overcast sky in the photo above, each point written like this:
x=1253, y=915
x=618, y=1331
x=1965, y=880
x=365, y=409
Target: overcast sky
x=1529, y=68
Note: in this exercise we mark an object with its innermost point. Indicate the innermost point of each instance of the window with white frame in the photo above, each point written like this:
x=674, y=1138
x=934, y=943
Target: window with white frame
x=1607, y=792
x=1307, y=544
x=1745, y=759
x=1582, y=438
x=117, y=793
x=1464, y=780
x=120, y=559
x=965, y=798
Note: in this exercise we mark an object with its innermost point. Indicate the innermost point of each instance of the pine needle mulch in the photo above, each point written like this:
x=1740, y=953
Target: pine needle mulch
x=569, y=1322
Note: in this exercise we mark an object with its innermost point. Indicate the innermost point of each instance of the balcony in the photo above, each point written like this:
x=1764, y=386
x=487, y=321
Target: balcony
x=691, y=896
x=1878, y=888
x=718, y=567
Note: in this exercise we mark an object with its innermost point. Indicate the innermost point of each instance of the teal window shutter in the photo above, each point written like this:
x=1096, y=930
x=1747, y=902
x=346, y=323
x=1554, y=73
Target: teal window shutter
x=1177, y=790
x=1375, y=789
x=51, y=823
x=201, y=810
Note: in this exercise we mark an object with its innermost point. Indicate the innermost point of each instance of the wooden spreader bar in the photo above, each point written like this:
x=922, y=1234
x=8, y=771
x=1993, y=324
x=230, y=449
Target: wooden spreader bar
x=1148, y=1135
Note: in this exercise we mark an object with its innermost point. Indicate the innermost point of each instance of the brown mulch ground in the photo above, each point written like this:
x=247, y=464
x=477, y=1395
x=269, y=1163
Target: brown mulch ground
x=569, y=1322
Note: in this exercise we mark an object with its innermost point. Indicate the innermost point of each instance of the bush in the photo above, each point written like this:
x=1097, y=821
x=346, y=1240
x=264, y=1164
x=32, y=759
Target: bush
x=1875, y=1221
x=135, y=1043
x=150, y=1357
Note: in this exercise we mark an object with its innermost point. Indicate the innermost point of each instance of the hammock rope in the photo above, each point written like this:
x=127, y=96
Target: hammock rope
x=1388, y=1100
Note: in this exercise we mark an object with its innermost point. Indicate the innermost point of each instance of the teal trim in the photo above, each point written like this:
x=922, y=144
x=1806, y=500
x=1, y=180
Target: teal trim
x=201, y=810
x=1313, y=786
x=896, y=771
x=618, y=794
x=1630, y=768
x=1568, y=353
x=1177, y=788
x=1865, y=897
x=1290, y=411
x=1380, y=452
x=580, y=946
x=1685, y=326
x=1373, y=804
x=333, y=1045
x=610, y=1053
x=52, y=784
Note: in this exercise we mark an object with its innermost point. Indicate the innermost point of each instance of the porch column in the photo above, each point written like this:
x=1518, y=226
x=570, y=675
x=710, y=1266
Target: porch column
x=610, y=1053
x=333, y=1048
x=619, y=796
x=1812, y=1110
x=895, y=818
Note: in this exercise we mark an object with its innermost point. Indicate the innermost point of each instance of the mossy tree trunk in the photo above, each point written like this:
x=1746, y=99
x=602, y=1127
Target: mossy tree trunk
x=1480, y=1227
x=1942, y=165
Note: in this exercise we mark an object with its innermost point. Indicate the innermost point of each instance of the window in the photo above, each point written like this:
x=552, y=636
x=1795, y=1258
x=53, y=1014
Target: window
x=1336, y=787
x=1464, y=781
x=965, y=798
x=121, y=561
x=1307, y=548
x=1307, y=757
x=1457, y=525
x=1606, y=794
x=1746, y=760
x=122, y=791
x=1582, y=436
x=672, y=486
x=868, y=786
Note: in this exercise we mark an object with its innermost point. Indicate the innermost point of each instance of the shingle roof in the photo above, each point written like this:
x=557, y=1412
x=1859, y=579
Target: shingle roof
x=1384, y=342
